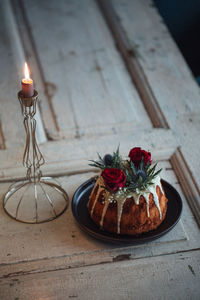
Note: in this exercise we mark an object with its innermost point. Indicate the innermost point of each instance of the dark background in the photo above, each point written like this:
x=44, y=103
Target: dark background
x=183, y=20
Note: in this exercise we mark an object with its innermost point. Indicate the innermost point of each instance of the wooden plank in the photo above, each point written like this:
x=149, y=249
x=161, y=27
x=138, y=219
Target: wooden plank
x=23, y=247
x=93, y=87
x=187, y=183
x=160, y=59
x=70, y=156
x=168, y=277
x=12, y=57
x=137, y=74
x=27, y=44
x=87, y=257
x=10, y=114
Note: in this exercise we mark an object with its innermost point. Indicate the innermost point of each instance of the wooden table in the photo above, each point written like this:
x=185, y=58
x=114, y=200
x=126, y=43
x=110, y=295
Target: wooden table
x=106, y=72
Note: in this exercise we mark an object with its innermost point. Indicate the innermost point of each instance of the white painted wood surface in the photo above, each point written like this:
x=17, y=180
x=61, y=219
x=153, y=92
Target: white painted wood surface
x=10, y=109
x=12, y=61
x=134, y=279
x=71, y=156
x=97, y=92
x=88, y=104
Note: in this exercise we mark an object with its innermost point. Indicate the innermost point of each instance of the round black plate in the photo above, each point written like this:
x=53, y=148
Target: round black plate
x=80, y=212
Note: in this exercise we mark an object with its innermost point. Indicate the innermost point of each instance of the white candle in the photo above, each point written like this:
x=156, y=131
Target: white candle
x=27, y=84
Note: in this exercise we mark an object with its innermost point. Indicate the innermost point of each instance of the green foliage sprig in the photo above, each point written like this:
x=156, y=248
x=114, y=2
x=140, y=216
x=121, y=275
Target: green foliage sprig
x=117, y=161
x=140, y=178
x=137, y=177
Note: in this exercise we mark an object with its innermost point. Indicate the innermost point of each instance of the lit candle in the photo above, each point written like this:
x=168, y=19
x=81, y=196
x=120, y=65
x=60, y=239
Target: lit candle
x=27, y=84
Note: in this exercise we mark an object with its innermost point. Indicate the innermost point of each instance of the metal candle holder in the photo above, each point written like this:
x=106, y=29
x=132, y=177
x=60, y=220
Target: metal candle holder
x=36, y=199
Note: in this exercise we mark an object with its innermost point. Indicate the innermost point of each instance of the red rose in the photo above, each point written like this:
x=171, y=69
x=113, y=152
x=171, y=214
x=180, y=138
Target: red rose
x=113, y=178
x=136, y=154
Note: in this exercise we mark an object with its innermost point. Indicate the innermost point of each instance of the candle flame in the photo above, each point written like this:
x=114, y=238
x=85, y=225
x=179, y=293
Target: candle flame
x=26, y=71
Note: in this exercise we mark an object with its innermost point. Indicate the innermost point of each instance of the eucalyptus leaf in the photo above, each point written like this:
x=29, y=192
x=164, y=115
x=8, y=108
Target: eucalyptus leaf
x=142, y=163
x=133, y=168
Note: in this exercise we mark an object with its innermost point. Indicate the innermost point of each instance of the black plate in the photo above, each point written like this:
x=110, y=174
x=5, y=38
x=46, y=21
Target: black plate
x=80, y=212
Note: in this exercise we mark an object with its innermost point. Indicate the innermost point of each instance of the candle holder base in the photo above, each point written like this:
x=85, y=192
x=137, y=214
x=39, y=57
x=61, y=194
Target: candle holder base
x=35, y=202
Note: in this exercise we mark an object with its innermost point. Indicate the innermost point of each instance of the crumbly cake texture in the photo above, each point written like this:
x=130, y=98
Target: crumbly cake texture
x=128, y=199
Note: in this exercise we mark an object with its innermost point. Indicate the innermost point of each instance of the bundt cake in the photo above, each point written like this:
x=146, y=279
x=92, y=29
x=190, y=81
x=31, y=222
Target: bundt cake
x=128, y=197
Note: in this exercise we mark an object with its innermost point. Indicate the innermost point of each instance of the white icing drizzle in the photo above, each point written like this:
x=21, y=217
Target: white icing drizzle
x=152, y=190
x=107, y=202
x=146, y=193
x=96, y=197
x=100, y=183
x=120, y=197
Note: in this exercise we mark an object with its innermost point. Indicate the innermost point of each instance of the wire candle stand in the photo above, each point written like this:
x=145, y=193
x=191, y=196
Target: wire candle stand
x=36, y=199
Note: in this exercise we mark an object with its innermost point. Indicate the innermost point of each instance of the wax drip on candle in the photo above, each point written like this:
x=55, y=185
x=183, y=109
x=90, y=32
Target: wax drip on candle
x=27, y=83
